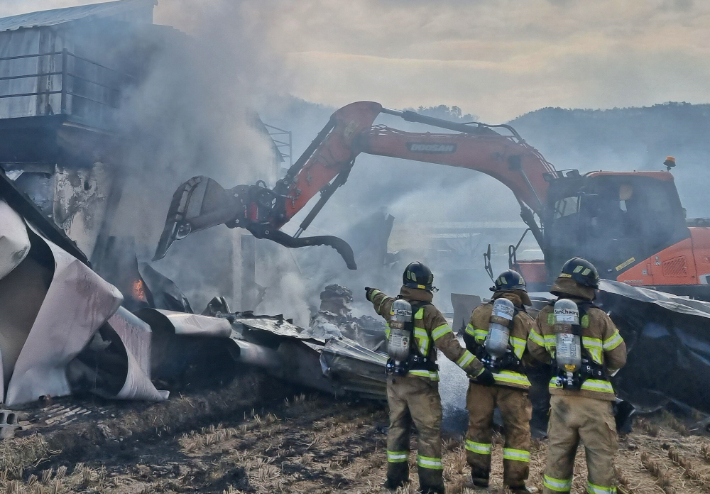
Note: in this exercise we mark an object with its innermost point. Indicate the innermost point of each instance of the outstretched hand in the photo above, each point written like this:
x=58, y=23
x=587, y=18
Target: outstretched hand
x=368, y=293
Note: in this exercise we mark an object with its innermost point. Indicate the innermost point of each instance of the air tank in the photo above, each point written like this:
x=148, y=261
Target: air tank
x=568, y=353
x=400, y=338
x=496, y=343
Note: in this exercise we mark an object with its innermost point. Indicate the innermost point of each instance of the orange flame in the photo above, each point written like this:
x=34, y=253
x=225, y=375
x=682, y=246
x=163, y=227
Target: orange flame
x=139, y=291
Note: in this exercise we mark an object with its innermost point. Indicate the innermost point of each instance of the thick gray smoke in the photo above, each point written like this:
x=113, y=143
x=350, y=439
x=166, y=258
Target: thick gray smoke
x=420, y=196
x=189, y=116
x=625, y=139
x=192, y=114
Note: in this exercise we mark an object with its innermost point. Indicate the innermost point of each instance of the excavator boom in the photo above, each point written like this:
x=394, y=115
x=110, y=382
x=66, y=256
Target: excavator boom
x=201, y=203
x=630, y=225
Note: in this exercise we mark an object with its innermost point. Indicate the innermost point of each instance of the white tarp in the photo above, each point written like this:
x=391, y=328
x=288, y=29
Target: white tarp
x=48, y=316
x=77, y=303
x=136, y=337
x=14, y=241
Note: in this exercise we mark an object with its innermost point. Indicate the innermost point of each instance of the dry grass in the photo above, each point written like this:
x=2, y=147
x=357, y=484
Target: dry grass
x=662, y=476
x=647, y=427
x=81, y=479
x=705, y=452
x=623, y=484
x=308, y=444
x=668, y=420
x=20, y=453
x=207, y=436
x=689, y=468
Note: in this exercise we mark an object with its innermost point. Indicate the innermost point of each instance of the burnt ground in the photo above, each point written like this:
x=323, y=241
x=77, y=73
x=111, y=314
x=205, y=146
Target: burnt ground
x=260, y=436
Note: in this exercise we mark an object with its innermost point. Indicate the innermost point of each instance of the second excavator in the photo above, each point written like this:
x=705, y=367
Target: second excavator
x=631, y=225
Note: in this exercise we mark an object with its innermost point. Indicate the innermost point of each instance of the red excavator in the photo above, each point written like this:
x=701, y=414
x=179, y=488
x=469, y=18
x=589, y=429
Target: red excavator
x=631, y=225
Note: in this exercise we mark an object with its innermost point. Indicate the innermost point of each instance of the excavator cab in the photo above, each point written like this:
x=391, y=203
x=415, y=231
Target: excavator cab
x=613, y=219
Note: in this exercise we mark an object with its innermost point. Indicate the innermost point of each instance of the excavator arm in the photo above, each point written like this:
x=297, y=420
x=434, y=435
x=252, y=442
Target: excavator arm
x=201, y=202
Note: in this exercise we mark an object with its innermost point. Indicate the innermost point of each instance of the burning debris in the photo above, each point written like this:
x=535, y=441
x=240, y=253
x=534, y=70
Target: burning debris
x=335, y=319
x=66, y=332
x=108, y=326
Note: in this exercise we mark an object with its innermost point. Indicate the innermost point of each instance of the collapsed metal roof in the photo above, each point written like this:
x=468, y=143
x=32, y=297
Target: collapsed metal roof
x=120, y=9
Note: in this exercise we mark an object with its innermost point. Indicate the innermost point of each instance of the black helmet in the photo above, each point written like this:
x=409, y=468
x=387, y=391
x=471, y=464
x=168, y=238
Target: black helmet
x=509, y=280
x=581, y=271
x=417, y=275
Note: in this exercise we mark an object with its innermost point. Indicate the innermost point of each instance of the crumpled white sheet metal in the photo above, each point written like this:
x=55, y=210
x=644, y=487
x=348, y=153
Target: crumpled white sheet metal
x=14, y=241
x=77, y=303
x=184, y=324
x=136, y=337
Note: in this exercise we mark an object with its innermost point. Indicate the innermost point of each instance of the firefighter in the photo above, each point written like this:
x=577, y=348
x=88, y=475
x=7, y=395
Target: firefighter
x=585, y=348
x=414, y=328
x=497, y=334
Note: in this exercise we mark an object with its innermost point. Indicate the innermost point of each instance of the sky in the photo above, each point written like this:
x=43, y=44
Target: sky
x=496, y=59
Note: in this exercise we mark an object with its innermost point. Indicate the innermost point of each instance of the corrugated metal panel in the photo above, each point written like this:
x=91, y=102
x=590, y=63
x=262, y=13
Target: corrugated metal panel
x=61, y=16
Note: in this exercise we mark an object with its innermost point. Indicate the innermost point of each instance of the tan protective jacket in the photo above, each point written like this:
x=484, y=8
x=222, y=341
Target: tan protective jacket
x=477, y=330
x=430, y=329
x=599, y=336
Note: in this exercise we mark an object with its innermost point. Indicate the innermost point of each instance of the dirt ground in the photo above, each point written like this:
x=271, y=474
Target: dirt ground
x=283, y=441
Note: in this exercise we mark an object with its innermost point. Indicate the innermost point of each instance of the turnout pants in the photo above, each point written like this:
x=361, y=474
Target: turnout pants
x=416, y=399
x=573, y=418
x=516, y=411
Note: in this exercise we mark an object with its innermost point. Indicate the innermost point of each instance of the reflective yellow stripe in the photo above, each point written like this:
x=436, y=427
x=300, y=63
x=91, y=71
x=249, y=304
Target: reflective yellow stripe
x=420, y=334
x=589, y=385
x=557, y=485
x=478, y=448
x=428, y=462
x=613, y=342
x=594, y=346
x=536, y=338
x=465, y=359
x=433, y=375
x=440, y=331
x=422, y=338
x=591, y=342
x=518, y=346
x=397, y=456
x=598, y=489
x=470, y=330
x=550, y=344
x=598, y=385
x=481, y=335
x=516, y=455
x=379, y=306
x=511, y=377
x=387, y=331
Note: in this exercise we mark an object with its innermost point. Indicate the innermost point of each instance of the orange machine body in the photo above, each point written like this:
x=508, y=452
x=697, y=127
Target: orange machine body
x=684, y=263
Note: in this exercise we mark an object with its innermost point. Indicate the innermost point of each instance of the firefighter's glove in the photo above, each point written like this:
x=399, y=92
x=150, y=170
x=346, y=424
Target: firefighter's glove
x=369, y=292
x=485, y=377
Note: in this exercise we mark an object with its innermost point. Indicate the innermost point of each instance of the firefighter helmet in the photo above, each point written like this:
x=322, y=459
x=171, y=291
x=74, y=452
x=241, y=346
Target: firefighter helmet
x=417, y=275
x=581, y=271
x=509, y=280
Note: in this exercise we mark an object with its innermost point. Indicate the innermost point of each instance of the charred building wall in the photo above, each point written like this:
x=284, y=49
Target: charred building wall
x=86, y=133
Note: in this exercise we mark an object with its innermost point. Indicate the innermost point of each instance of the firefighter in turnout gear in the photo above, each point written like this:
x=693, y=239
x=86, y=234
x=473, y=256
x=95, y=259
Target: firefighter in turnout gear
x=497, y=334
x=414, y=328
x=585, y=348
